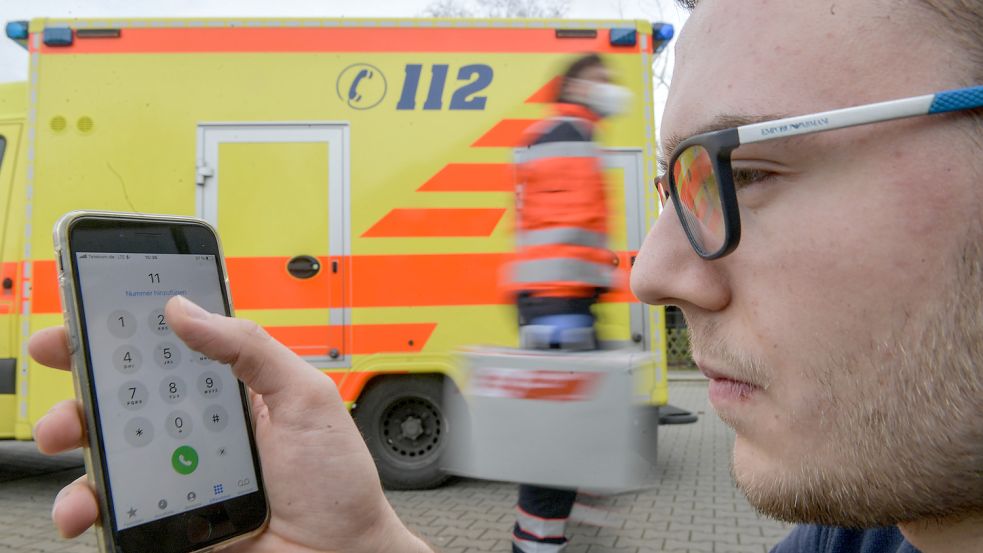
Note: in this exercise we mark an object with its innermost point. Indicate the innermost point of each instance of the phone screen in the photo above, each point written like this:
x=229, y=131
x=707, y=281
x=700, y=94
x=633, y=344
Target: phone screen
x=172, y=421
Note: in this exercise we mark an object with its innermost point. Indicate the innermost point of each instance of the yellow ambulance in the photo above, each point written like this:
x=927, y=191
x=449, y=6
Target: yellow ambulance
x=358, y=170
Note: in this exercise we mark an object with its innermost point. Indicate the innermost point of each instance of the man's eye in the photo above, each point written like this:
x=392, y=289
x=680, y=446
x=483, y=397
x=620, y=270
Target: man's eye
x=746, y=177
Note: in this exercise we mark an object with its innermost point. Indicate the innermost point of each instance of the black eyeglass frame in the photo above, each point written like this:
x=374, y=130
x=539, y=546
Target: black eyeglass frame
x=718, y=146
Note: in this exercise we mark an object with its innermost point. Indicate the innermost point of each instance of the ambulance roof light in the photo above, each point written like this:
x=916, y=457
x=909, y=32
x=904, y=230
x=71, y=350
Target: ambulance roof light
x=662, y=33
x=624, y=37
x=17, y=30
x=58, y=36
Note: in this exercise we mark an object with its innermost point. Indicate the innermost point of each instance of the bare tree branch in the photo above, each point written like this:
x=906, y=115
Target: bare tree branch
x=498, y=8
x=447, y=8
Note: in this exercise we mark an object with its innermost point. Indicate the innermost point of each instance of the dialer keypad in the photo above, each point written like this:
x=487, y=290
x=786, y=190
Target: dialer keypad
x=172, y=389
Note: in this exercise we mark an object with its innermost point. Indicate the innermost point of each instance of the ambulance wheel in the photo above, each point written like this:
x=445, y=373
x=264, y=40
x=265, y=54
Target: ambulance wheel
x=403, y=423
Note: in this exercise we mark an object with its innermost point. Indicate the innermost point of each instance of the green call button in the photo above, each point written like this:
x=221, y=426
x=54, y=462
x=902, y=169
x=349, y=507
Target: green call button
x=184, y=460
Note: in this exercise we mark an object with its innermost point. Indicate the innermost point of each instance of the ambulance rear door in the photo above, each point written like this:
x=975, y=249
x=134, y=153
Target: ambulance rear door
x=626, y=193
x=628, y=196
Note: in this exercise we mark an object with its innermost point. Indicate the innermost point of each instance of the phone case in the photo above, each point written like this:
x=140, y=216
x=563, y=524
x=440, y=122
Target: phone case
x=80, y=376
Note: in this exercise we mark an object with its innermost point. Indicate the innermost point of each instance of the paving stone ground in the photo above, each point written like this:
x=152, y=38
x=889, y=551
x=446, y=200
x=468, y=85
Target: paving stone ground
x=693, y=509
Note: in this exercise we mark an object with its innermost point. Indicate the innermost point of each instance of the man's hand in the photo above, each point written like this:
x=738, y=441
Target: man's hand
x=323, y=489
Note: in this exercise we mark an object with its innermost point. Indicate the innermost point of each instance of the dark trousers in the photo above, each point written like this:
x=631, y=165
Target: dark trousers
x=542, y=513
x=541, y=519
x=531, y=307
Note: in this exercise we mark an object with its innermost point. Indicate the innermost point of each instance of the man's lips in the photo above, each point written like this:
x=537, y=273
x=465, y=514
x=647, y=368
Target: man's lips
x=724, y=387
x=713, y=374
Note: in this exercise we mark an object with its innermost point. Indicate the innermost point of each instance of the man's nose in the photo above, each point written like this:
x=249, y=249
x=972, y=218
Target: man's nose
x=668, y=270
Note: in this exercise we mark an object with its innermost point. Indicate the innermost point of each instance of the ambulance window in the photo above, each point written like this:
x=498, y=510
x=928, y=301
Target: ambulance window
x=3, y=147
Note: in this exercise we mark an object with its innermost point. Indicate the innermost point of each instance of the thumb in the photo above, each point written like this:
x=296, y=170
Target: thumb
x=263, y=364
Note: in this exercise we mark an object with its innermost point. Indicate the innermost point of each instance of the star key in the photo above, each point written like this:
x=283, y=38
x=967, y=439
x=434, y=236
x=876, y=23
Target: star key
x=139, y=431
x=132, y=512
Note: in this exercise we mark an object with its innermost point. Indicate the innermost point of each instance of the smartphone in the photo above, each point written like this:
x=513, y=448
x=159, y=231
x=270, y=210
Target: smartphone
x=170, y=448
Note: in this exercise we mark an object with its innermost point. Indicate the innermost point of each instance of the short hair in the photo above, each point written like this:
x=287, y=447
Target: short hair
x=963, y=18
x=574, y=71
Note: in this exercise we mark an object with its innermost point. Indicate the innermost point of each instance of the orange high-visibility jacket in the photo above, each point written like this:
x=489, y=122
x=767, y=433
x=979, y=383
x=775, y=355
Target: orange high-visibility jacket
x=562, y=210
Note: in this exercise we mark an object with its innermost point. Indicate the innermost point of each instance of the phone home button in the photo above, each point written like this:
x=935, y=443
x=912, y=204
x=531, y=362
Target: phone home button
x=199, y=529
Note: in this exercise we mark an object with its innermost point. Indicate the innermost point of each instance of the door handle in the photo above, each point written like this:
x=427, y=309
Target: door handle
x=304, y=266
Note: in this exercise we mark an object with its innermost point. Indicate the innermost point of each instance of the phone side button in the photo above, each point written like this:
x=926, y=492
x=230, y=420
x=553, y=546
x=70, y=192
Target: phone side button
x=73, y=342
x=199, y=529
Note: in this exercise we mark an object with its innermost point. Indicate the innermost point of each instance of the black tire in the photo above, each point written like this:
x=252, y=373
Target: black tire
x=405, y=427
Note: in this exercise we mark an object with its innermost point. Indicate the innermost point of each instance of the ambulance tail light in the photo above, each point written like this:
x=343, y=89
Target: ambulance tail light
x=662, y=33
x=624, y=37
x=58, y=36
x=17, y=30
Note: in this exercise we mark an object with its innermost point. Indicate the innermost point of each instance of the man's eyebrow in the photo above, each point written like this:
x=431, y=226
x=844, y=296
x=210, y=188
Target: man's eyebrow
x=718, y=123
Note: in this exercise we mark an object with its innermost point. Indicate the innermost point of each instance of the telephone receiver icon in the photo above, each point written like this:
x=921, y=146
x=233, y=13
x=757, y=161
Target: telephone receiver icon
x=353, y=95
x=183, y=461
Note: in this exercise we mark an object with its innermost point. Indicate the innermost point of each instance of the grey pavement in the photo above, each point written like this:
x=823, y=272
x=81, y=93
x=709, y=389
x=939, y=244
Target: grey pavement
x=694, y=507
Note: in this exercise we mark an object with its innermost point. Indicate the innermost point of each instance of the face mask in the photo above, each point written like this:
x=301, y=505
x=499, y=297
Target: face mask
x=606, y=99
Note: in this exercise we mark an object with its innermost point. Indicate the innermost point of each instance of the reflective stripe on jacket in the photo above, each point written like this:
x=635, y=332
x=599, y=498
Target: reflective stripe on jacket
x=562, y=210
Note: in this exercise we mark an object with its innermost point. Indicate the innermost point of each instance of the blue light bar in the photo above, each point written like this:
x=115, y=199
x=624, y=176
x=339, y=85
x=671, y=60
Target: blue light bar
x=58, y=36
x=624, y=37
x=17, y=30
x=662, y=33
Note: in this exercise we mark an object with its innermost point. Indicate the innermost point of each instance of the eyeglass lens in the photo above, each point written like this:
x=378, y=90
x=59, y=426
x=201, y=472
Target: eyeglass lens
x=699, y=199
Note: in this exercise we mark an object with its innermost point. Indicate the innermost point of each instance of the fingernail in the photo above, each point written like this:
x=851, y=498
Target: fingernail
x=54, y=508
x=192, y=309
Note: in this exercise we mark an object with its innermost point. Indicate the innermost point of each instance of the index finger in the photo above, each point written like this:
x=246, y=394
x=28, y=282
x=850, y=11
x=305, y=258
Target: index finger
x=263, y=364
x=50, y=347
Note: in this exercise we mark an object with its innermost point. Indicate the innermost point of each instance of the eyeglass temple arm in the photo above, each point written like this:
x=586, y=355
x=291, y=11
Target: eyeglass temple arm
x=950, y=100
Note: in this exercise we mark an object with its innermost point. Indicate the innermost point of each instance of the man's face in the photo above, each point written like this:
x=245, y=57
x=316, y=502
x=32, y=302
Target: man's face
x=845, y=333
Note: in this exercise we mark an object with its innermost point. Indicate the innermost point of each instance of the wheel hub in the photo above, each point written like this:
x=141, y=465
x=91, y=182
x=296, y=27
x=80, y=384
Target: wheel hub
x=412, y=428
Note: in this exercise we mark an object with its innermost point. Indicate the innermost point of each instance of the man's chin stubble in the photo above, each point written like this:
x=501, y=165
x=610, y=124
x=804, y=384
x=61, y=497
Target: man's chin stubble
x=908, y=448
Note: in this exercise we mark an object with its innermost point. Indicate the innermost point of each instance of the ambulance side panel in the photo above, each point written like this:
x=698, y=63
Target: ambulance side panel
x=359, y=173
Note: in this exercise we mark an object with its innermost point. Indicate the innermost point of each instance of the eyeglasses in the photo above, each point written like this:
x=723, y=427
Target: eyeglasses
x=700, y=178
